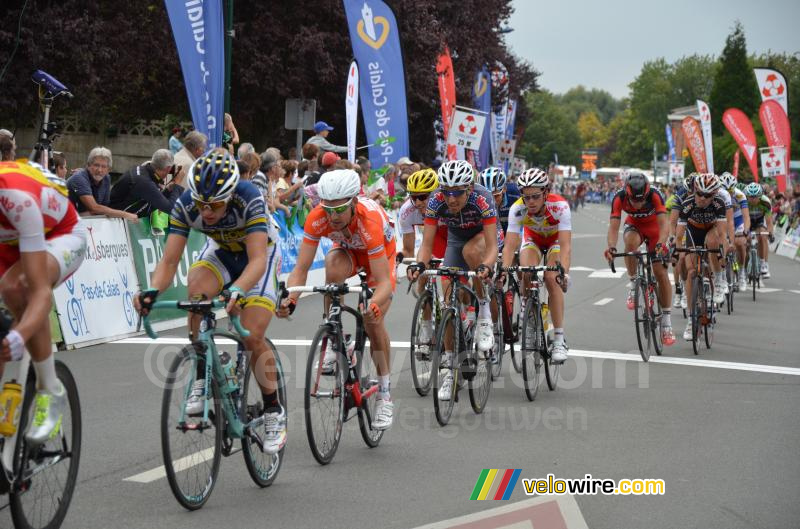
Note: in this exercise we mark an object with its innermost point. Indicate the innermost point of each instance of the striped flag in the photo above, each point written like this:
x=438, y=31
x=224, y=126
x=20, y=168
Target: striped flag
x=496, y=484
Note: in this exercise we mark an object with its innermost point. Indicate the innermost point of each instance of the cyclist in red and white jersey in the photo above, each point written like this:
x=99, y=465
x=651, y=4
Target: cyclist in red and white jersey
x=42, y=243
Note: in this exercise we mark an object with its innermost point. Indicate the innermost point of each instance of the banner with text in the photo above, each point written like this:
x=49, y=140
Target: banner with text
x=351, y=109
x=482, y=100
x=778, y=133
x=467, y=129
x=705, y=126
x=742, y=131
x=694, y=143
x=447, y=96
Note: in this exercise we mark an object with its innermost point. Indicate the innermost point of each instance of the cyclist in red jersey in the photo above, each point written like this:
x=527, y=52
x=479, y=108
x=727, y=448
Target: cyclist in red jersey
x=646, y=221
x=42, y=243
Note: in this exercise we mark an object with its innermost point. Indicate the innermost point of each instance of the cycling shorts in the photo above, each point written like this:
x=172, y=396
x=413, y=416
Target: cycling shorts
x=359, y=261
x=68, y=249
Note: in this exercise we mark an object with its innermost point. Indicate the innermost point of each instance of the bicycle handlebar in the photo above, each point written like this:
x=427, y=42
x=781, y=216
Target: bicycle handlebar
x=449, y=272
x=203, y=306
x=333, y=288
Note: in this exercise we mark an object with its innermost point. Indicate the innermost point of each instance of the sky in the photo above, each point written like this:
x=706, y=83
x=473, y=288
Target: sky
x=604, y=43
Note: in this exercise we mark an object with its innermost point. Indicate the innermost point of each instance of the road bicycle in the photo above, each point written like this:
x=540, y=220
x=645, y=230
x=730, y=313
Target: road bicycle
x=351, y=383
x=193, y=444
x=731, y=277
x=753, y=263
x=702, y=309
x=428, y=301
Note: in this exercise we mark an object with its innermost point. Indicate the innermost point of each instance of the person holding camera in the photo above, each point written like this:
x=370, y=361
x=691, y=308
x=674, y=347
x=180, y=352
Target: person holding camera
x=148, y=187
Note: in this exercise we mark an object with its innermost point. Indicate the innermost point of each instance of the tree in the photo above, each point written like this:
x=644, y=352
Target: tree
x=592, y=133
x=734, y=83
x=627, y=145
x=579, y=100
x=550, y=131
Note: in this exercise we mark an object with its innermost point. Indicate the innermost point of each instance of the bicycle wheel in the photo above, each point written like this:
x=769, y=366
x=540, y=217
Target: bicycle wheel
x=696, y=308
x=47, y=473
x=499, y=340
x=654, y=316
x=514, y=321
x=263, y=468
x=641, y=319
x=191, y=448
x=710, y=310
x=439, y=368
x=755, y=272
x=368, y=378
x=729, y=279
x=421, y=352
x=551, y=370
x=481, y=383
x=324, y=398
x=531, y=346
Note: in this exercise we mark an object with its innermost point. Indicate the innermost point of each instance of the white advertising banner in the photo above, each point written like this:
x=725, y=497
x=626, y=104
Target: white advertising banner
x=772, y=85
x=351, y=108
x=705, y=126
x=467, y=129
x=97, y=301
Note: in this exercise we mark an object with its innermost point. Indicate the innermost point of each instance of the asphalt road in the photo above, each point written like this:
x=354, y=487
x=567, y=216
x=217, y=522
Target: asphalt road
x=724, y=436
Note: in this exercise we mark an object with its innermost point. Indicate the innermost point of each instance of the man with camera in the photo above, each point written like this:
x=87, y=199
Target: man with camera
x=148, y=187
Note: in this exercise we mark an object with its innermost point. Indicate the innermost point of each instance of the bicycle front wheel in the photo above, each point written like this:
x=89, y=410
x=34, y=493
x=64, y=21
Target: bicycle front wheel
x=444, y=367
x=654, y=315
x=481, y=383
x=514, y=326
x=262, y=467
x=696, y=308
x=641, y=319
x=368, y=378
x=531, y=347
x=421, y=351
x=499, y=339
x=324, y=397
x=191, y=447
x=47, y=472
x=710, y=316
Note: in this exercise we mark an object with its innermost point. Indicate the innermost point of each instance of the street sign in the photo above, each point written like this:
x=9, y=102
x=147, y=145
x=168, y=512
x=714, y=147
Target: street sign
x=300, y=114
x=467, y=128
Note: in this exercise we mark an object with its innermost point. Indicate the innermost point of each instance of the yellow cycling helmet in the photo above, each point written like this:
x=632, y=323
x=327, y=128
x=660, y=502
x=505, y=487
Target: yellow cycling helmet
x=423, y=181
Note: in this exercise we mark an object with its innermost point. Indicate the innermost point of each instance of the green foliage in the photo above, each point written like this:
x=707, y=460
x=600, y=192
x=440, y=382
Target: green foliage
x=734, y=83
x=551, y=129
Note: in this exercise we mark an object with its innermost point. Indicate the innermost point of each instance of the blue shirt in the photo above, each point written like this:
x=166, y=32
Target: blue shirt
x=81, y=184
x=175, y=144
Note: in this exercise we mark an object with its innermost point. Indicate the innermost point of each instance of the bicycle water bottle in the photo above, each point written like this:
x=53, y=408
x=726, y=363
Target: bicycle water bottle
x=229, y=369
x=546, y=323
x=10, y=399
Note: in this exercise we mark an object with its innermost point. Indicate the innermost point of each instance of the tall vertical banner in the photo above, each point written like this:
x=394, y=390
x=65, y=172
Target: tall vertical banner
x=772, y=86
x=498, y=117
x=778, y=133
x=482, y=100
x=705, y=125
x=742, y=131
x=447, y=95
x=351, y=108
x=671, y=142
x=736, y=164
x=197, y=28
x=376, y=43
x=694, y=142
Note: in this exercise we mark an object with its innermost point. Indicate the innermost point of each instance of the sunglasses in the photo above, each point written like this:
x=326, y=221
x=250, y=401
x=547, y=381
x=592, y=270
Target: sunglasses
x=453, y=192
x=535, y=196
x=421, y=197
x=704, y=195
x=213, y=206
x=337, y=209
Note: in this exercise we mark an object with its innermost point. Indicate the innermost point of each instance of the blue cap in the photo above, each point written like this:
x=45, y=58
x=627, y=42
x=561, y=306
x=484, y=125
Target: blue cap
x=319, y=126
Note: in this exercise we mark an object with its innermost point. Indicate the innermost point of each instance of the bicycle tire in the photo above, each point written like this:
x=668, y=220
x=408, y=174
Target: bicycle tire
x=499, y=347
x=190, y=463
x=480, y=385
x=711, y=308
x=655, y=315
x=551, y=370
x=263, y=468
x=729, y=280
x=444, y=409
x=368, y=377
x=696, y=307
x=516, y=310
x=71, y=428
x=755, y=272
x=641, y=319
x=334, y=388
x=531, y=347
x=420, y=367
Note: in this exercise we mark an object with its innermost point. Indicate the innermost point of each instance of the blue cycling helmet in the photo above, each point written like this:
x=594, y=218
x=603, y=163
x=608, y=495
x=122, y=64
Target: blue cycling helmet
x=213, y=176
x=753, y=190
x=493, y=179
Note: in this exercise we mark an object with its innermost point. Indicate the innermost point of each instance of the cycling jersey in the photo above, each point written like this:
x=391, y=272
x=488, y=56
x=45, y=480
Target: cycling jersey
x=675, y=199
x=726, y=198
x=653, y=205
x=542, y=230
x=699, y=221
x=739, y=200
x=410, y=217
x=478, y=211
x=505, y=208
x=760, y=211
x=36, y=215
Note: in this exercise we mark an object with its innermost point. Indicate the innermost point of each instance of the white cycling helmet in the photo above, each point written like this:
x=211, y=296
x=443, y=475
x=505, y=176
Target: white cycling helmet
x=456, y=173
x=338, y=184
x=727, y=180
x=706, y=183
x=533, y=177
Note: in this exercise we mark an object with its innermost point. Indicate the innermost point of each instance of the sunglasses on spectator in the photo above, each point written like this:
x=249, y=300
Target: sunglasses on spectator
x=704, y=195
x=453, y=192
x=420, y=197
x=337, y=209
x=534, y=196
x=212, y=206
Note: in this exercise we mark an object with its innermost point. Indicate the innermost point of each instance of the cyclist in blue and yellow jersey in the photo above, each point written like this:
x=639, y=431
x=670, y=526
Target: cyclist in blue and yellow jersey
x=242, y=256
x=741, y=223
x=760, y=219
x=495, y=181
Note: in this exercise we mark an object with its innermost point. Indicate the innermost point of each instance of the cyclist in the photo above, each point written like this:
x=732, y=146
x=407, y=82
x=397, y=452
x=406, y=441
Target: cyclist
x=412, y=214
x=673, y=209
x=241, y=256
x=702, y=220
x=741, y=223
x=494, y=180
x=646, y=221
x=42, y=243
x=363, y=240
x=760, y=209
x=473, y=238
x=541, y=221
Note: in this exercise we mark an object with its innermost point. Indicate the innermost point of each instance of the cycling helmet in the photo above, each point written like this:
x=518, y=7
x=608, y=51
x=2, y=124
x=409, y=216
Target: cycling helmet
x=456, y=173
x=727, y=180
x=423, y=181
x=753, y=190
x=637, y=186
x=213, y=176
x=533, y=177
x=338, y=184
x=493, y=179
x=689, y=181
x=706, y=183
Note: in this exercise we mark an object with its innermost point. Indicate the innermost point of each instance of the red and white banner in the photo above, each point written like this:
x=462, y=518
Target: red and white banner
x=736, y=164
x=705, y=125
x=778, y=133
x=694, y=142
x=772, y=86
x=507, y=148
x=467, y=128
x=742, y=131
x=351, y=108
x=772, y=161
x=447, y=96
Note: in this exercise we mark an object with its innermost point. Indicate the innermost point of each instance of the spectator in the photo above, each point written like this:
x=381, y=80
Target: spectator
x=230, y=136
x=146, y=188
x=245, y=148
x=277, y=188
x=194, y=145
x=60, y=165
x=8, y=148
x=320, y=138
x=310, y=155
x=328, y=161
x=290, y=189
x=275, y=152
x=175, y=143
x=90, y=187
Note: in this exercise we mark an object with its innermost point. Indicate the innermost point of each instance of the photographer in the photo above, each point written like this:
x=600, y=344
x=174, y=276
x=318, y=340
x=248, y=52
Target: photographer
x=148, y=187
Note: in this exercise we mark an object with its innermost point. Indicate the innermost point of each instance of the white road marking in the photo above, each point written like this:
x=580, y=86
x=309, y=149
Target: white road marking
x=795, y=291
x=179, y=465
x=606, y=273
x=580, y=269
x=610, y=355
x=604, y=301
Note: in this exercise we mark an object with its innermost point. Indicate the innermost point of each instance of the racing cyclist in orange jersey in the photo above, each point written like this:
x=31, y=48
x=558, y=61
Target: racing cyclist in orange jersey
x=646, y=220
x=42, y=243
x=542, y=223
x=363, y=240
